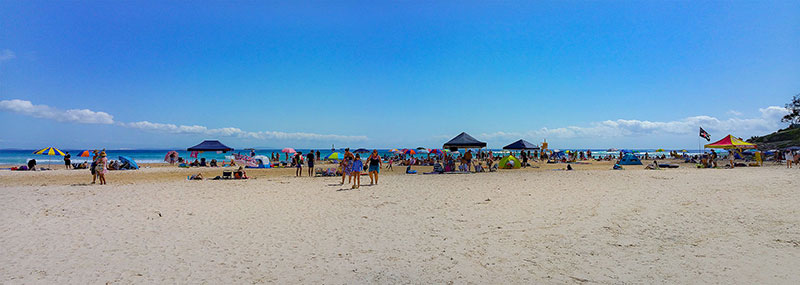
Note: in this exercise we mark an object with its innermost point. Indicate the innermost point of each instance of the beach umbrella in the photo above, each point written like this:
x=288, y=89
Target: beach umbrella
x=85, y=153
x=660, y=150
x=288, y=150
x=333, y=156
x=49, y=151
x=683, y=150
x=422, y=151
x=361, y=150
x=421, y=148
x=435, y=151
x=395, y=150
x=409, y=151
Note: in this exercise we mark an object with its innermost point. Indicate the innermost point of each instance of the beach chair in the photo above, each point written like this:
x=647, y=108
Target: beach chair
x=227, y=174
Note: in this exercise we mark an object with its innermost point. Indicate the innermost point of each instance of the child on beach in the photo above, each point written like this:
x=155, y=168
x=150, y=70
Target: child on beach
x=345, y=165
x=358, y=165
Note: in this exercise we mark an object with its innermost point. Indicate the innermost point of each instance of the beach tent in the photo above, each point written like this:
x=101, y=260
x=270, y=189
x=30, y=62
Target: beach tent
x=730, y=142
x=129, y=161
x=210, y=145
x=504, y=162
x=463, y=140
x=520, y=145
x=630, y=159
x=262, y=162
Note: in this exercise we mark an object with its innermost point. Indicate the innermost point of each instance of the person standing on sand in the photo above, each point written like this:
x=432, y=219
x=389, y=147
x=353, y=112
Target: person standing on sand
x=345, y=165
x=298, y=163
x=318, y=157
x=102, y=168
x=374, y=166
x=468, y=159
x=67, y=162
x=93, y=166
x=350, y=157
x=789, y=158
x=358, y=165
x=310, y=160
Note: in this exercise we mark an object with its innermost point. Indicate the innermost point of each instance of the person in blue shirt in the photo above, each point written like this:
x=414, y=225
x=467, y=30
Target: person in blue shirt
x=355, y=171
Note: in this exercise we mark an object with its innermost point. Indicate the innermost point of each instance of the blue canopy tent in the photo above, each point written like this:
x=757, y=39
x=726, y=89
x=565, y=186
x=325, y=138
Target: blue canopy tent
x=210, y=145
x=521, y=145
x=463, y=140
x=630, y=159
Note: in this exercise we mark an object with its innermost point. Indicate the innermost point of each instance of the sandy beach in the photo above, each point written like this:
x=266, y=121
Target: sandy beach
x=518, y=226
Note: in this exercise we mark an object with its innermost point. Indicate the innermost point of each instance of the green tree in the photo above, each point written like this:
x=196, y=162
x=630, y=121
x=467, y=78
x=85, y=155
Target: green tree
x=794, y=111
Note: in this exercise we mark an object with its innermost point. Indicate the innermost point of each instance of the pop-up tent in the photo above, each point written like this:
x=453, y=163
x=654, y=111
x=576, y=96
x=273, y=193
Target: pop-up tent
x=463, y=140
x=509, y=162
x=630, y=159
x=730, y=142
x=521, y=145
x=210, y=145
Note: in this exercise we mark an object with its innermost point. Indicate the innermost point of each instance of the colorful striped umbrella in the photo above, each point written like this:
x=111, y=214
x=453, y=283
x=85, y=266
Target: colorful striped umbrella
x=435, y=151
x=395, y=150
x=409, y=151
x=85, y=153
x=333, y=156
x=49, y=151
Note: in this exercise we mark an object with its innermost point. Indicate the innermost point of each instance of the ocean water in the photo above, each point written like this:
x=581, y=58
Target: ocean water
x=20, y=157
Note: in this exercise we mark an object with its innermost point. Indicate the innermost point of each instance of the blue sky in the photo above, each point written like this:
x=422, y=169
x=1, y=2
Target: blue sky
x=403, y=74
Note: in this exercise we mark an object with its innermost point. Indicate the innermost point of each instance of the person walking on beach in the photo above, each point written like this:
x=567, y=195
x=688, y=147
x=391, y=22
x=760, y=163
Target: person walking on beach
x=298, y=163
x=789, y=158
x=374, y=166
x=67, y=162
x=102, y=168
x=468, y=159
x=345, y=165
x=93, y=166
x=350, y=157
x=358, y=165
x=310, y=160
x=317, y=156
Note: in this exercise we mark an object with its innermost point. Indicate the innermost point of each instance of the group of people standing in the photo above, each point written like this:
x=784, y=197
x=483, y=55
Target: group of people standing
x=352, y=166
x=99, y=166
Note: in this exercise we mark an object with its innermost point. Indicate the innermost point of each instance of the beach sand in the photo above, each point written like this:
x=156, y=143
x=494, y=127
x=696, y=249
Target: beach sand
x=591, y=225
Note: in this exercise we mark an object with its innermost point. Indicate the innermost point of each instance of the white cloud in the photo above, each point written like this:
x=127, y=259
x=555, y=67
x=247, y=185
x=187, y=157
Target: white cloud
x=86, y=116
x=769, y=121
x=7, y=54
x=83, y=116
x=734, y=113
x=236, y=132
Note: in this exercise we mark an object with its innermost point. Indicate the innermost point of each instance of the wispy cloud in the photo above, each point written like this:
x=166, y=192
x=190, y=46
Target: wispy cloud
x=236, y=132
x=7, y=54
x=767, y=122
x=735, y=113
x=86, y=116
x=83, y=116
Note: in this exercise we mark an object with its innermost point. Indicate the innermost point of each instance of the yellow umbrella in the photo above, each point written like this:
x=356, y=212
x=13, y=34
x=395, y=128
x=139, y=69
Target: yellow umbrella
x=49, y=151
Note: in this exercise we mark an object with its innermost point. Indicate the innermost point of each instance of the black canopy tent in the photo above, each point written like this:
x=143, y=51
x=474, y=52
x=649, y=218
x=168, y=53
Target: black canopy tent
x=521, y=145
x=463, y=140
x=210, y=145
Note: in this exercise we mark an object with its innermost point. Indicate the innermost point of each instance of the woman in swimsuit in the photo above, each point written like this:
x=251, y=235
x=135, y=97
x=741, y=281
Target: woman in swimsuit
x=374, y=166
